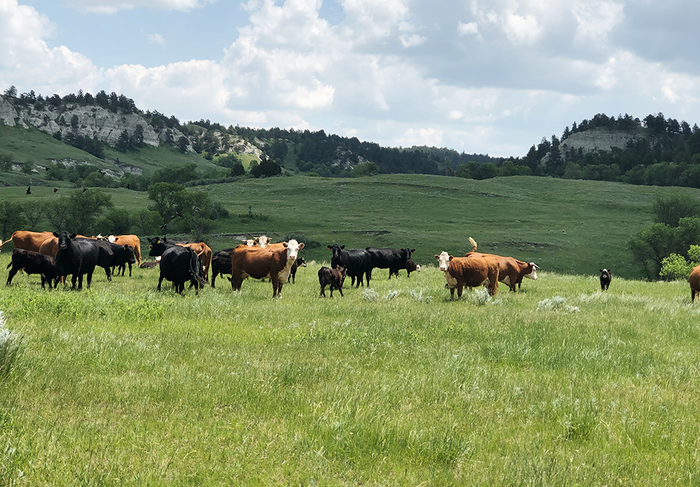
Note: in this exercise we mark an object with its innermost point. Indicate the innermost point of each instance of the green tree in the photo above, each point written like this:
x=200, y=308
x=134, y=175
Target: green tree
x=650, y=245
x=365, y=169
x=57, y=213
x=85, y=207
x=670, y=209
x=11, y=218
x=33, y=212
x=147, y=222
x=115, y=222
x=266, y=168
x=168, y=199
x=237, y=169
x=675, y=267
x=174, y=173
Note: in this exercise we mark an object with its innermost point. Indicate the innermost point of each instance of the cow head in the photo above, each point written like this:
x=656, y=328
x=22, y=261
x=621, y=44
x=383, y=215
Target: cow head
x=293, y=248
x=249, y=242
x=130, y=256
x=336, y=249
x=406, y=254
x=157, y=246
x=301, y=262
x=533, y=272
x=263, y=241
x=343, y=272
x=63, y=239
x=444, y=260
x=112, y=239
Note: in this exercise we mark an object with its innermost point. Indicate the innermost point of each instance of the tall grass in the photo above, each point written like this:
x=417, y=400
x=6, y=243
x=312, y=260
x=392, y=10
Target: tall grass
x=122, y=384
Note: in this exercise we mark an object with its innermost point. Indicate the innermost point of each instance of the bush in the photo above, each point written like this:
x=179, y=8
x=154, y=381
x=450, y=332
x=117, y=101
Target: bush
x=675, y=267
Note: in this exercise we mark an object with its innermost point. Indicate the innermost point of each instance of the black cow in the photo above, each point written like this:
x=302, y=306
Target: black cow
x=124, y=259
x=177, y=264
x=34, y=263
x=357, y=262
x=220, y=264
x=76, y=257
x=605, y=278
x=392, y=259
x=333, y=278
x=300, y=262
x=410, y=266
x=113, y=255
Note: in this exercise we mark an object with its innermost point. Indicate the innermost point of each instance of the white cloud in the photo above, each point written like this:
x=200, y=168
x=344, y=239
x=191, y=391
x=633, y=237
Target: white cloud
x=471, y=28
x=114, y=6
x=596, y=19
x=419, y=137
x=411, y=40
x=155, y=39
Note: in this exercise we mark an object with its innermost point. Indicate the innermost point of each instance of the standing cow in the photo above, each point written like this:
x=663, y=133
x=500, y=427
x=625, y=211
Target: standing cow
x=220, y=264
x=178, y=264
x=357, y=262
x=694, y=281
x=605, y=278
x=274, y=261
x=470, y=272
x=300, y=262
x=392, y=259
x=333, y=278
x=33, y=263
x=76, y=257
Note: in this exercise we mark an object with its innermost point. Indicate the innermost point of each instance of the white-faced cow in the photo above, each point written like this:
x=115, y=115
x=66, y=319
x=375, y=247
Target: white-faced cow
x=357, y=262
x=275, y=261
x=34, y=263
x=333, y=278
x=605, y=278
x=411, y=266
x=470, y=272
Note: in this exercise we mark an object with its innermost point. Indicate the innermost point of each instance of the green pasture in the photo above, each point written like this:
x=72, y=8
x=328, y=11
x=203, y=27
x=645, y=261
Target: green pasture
x=565, y=226
x=558, y=384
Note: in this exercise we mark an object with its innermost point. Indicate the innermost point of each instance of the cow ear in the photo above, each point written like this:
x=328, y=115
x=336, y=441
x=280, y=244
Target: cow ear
x=285, y=244
x=437, y=257
x=413, y=250
x=451, y=257
x=55, y=234
x=342, y=246
x=74, y=235
x=301, y=246
x=329, y=247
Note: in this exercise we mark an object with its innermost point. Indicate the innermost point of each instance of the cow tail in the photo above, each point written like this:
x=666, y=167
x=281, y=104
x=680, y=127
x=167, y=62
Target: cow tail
x=3, y=243
x=193, y=267
x=473, y=242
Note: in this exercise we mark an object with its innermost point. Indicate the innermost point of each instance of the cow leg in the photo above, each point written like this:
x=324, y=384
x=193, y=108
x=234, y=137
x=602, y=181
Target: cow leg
x=13, y=271
x=274, y=279
x=323, y=291
x=213, y=278
x=340, y=289
x=459, y=291
x=160, y=280
x=452, y=294
x=368, y=275
x=692, y=295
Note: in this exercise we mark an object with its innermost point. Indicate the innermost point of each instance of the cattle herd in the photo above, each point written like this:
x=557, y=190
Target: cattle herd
x=55, y=256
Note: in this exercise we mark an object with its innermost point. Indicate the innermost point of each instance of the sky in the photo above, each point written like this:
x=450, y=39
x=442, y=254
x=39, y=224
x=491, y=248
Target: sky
x=477, y=76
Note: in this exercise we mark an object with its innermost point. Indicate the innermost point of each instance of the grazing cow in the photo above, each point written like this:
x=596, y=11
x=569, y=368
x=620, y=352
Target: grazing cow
x=605, y=278
x=392, y=259
x=694, y=281
x=203, y=252
x=357, y=262
x=220, y=264
x=274, y=261
x=410, y=266
x=76, y=257
x=470, y=272
x=33, y=263
x=300, y=262
x=333, y=278
x=23, y=239
x=178, y=264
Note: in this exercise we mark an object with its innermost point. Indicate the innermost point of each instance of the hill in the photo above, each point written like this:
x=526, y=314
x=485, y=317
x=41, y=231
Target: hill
x=573, y=227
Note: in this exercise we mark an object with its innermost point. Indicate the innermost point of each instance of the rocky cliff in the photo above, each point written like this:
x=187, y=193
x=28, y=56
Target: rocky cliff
x=84, y=121
x=599, y=139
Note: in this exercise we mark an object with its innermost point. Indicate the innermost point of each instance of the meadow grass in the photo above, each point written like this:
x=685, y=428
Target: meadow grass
x=121, y=384
x=565, y=226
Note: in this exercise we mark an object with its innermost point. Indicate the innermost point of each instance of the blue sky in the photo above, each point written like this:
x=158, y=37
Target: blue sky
x=484, y=76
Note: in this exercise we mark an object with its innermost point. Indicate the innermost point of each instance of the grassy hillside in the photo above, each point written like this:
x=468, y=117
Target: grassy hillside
x=565, y=226
x=124, y=385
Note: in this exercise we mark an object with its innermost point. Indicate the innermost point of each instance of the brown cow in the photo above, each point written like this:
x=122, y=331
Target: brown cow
x=132, y=241
x=256, y=262
x=694, y=281
x=23, y=239
x=333, y=278
x=204, y=254
x=471, y=272
x=510, y=271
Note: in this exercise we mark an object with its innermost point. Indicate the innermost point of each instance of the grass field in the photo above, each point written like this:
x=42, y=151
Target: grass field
x=570, y=227
x=559, y=384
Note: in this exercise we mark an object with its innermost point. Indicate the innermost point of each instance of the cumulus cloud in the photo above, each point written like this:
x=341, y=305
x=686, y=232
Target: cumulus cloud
x=114, y=6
